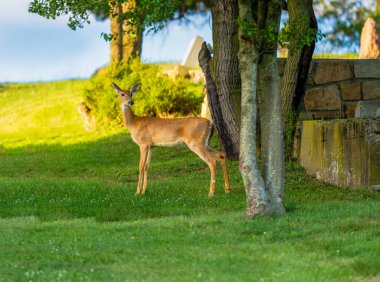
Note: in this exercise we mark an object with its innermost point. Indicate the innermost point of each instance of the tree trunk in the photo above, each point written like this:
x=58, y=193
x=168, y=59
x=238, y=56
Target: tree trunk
x=204, y=58
x=116, y=43
x=126, y=41
x=293, y=83
x=132, y=38
x=259, y=74
x=257, y=202
x=225, y=74
x=271, y=120
x=257, y=198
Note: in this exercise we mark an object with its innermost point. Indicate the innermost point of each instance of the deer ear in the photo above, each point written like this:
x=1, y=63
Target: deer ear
x=116, y=87
x=135, y=88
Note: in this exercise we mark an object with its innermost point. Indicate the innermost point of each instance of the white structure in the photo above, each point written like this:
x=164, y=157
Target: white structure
x=191, y=57
x=369, y=41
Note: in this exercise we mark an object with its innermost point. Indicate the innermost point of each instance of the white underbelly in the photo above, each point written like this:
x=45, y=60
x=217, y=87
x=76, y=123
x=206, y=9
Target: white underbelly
x=168, y=143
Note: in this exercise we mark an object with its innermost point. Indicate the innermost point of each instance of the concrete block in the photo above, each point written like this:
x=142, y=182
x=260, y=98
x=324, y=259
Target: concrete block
x=342, y=152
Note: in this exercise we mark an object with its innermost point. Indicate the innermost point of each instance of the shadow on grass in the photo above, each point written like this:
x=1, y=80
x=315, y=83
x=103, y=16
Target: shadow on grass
x=98, y=179
x=107, y=158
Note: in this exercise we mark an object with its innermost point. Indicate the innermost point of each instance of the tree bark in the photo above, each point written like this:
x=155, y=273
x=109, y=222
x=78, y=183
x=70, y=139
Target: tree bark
x=225, y=74
x=127, y=41
x=293, y=83
x=259, y=74
x=204, y=58
x=257, y=202
x=132, y=38
x=271, y=120
x=116, y=43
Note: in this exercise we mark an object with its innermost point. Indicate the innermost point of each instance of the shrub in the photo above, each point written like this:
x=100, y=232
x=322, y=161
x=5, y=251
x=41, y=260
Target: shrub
x=159, y=95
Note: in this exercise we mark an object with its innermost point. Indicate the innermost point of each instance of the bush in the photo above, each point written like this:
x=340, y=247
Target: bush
x=159, y=95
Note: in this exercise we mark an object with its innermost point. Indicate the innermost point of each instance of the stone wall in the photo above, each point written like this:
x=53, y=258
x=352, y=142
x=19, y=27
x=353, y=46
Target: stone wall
x=344, y=152
x=335, y=87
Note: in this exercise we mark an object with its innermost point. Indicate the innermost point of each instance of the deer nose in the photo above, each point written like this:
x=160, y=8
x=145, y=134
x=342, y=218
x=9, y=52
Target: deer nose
x=131, y=103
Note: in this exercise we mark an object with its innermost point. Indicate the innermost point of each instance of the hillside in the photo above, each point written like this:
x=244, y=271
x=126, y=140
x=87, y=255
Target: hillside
x=43, y=113
x=68, y=210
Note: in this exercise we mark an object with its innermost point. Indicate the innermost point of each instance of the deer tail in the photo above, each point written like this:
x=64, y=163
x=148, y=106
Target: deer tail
x=210, y=134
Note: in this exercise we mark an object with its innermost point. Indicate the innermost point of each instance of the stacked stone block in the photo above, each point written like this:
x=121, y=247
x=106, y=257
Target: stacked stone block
x=335, y=146
x=335, y=87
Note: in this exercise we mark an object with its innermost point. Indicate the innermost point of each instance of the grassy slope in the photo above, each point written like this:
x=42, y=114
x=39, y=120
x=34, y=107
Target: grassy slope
x=68, y=210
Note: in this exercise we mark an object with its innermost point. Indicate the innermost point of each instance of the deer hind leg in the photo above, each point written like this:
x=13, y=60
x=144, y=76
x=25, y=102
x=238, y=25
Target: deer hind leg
x=144, y=151
x=208, y=158
x=221, y=156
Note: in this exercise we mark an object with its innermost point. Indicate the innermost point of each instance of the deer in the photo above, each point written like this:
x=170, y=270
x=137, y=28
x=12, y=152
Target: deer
x=146, y=132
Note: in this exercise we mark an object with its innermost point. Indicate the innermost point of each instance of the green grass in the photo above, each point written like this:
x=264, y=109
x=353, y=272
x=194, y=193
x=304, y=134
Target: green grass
x=347, y=56
x=68, y=210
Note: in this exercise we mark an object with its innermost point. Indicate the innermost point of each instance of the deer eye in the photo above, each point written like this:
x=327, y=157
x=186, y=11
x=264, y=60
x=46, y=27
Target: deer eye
x=123, y=94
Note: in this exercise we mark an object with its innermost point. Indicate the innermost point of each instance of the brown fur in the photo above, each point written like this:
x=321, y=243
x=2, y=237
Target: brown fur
x=153, y=131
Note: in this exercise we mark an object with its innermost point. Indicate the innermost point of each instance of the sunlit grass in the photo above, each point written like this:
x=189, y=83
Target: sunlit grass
x=42, y=113
x=68, y=210
x=336, y=56
x=346, y=56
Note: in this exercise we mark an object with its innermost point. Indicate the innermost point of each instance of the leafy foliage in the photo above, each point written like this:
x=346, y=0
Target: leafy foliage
x=251, y=30
x=294, y=37
x=159, y=96
x=79, y=11
x=149, y=15
x=290, y=36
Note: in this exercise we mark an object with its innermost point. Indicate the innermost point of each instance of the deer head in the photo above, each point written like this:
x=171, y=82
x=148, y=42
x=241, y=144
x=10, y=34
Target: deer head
x=126, y=95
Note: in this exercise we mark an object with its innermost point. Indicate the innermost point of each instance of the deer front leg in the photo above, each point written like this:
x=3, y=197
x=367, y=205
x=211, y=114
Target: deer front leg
x=143, y=157
x=146, y=170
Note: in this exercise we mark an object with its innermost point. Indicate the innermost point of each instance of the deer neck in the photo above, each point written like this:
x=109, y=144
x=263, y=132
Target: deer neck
x=128, y=115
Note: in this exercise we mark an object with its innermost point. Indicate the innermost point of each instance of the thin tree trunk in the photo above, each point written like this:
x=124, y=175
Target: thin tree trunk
x=132, y=38
x=293, y=83
x=257, y=200
x=304, y=65
x=259, y=74
x=126, y=41
x=204, y=58
x=271, y=120
x=116, y=43
x=225, y=73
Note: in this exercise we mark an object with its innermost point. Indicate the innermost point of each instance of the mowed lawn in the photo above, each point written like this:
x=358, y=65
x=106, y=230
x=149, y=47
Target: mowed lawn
x=68, y=210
